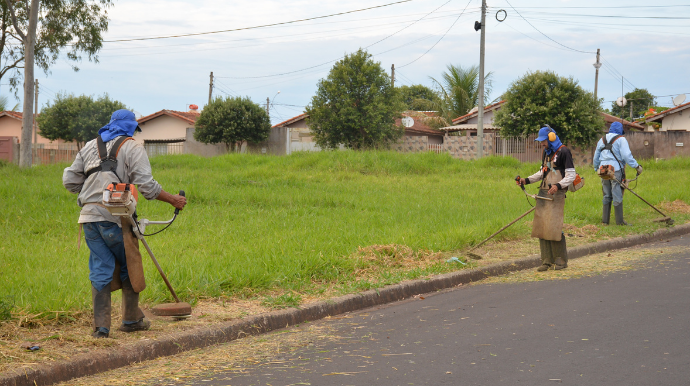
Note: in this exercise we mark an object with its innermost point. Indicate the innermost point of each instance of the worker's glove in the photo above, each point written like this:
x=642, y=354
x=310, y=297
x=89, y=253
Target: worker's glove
x=639, y=169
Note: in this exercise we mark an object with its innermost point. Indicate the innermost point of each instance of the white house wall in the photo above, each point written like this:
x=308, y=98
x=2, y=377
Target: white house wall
x=162, y=127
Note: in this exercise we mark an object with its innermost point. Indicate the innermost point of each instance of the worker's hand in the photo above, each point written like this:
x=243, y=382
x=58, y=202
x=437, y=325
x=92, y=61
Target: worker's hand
x=178, y=201
x=553, y=189
x=520, y=181
x=639, y=169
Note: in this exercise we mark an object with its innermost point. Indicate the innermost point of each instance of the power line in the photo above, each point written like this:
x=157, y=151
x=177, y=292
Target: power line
x=439, y=40
x=256, y=27
x=334, y=60
x=523, y=18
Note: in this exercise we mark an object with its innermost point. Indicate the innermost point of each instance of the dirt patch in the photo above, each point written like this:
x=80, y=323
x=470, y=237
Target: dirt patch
x=584, y=231
x=677, y=206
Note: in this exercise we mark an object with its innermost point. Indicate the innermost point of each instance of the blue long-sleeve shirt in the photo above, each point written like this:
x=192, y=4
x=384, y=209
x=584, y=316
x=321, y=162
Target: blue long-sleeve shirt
x=620, y=148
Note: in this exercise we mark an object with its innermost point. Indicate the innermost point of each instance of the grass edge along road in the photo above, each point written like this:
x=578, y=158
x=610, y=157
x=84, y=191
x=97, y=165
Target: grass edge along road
x=287, y=229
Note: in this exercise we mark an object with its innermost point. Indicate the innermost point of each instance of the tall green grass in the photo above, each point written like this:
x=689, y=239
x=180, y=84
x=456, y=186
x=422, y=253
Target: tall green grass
x=260, y=222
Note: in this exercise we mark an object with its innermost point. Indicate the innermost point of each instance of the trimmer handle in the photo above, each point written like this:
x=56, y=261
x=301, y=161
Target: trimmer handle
x=522, y=184
x=177, y=211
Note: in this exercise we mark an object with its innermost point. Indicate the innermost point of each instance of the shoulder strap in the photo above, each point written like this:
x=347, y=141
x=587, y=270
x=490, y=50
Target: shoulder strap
x=108, y=160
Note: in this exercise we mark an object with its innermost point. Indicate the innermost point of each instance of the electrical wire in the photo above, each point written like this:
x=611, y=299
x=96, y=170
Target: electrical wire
x=341, y=57
x=560, y=44
x=256, y=27
x=441, y=38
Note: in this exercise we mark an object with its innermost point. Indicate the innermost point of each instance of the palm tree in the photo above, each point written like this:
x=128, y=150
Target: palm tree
x=4, y=102
x=459, y=91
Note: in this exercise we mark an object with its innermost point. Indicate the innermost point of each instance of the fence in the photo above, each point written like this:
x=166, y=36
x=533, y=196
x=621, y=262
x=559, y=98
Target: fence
x=436, y=148
x=523, y=149
x=42, y=156
x=163, y=148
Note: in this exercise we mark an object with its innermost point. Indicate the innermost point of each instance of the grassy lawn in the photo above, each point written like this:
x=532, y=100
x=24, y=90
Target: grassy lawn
x=282, y=228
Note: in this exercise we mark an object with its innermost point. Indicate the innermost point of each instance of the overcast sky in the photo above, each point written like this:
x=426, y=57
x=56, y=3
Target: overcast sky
x=646, y=42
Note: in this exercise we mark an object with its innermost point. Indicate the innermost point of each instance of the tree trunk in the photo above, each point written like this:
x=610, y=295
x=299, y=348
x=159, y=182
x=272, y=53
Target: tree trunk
x=28, y=114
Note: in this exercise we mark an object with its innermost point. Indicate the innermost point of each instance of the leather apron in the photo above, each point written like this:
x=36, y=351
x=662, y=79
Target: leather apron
x=135, y=266
x=548, y=215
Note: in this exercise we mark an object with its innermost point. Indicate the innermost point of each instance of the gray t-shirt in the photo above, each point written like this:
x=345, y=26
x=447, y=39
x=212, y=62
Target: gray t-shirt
x=133, y=167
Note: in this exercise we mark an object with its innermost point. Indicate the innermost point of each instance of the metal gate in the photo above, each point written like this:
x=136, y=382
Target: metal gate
x=522, y=149
x=6, y=149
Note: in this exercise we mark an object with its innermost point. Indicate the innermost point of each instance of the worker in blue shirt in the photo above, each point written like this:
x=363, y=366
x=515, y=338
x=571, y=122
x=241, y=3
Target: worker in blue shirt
x=610, y=157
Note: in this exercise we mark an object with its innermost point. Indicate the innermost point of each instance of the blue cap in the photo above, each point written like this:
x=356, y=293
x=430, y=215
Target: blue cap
x=544, y=134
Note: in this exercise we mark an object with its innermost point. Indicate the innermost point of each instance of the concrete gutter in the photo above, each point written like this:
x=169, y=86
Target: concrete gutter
x=105, y=360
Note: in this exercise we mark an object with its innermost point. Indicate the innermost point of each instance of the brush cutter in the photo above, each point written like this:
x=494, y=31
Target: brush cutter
x=666, y=219
x=522, y=186
x=121, y=200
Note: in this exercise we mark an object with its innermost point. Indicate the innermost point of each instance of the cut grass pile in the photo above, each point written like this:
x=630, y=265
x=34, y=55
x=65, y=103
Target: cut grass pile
x=289, y=228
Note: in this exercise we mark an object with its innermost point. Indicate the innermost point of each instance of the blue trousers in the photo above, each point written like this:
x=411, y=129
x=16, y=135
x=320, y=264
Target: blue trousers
x=612, y=190
x=104, y=239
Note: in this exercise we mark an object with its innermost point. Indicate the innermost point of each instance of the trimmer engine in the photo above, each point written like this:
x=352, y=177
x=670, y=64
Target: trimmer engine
x=121, y=199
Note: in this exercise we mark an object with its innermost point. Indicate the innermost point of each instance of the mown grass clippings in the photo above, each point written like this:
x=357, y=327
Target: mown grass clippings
x=592, y=265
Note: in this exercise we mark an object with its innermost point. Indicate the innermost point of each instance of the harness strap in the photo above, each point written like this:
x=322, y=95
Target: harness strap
x=609, y=146
x=108, y=160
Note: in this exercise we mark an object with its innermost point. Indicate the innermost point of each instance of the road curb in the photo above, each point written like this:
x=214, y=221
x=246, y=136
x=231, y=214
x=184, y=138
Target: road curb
x=103, y=360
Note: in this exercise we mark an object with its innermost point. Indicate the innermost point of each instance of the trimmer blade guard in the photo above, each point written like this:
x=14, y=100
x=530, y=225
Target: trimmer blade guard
x=176, y=310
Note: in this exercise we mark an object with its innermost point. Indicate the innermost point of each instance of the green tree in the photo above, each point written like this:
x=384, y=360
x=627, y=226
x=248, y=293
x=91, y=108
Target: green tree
x=355, y=106
x=232, y=121
x=76, y=118
x=541, y=98
x=77, y=25
x=418, y=97
x=640, y=99
x=459, y=91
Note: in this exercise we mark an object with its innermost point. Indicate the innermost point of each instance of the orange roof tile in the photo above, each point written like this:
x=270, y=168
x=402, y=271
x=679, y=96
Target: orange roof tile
x=12, y=114
x=664, y=113
x=612, y=118
x=292, y=120
x=189, y=116
x=475, y=113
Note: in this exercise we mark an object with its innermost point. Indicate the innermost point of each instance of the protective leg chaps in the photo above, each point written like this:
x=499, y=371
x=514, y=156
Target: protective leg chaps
x=101, y=311
x=618, y=212
x=606, y=215
x=132, y=315
x=547, y=259
x=560, y=253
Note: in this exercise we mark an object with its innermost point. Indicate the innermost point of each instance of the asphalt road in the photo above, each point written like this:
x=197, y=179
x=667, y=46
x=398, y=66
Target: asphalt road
x=625, y=328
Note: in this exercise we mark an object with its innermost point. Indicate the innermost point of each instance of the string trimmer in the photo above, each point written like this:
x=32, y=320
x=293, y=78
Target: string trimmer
x=476, y=256
x=666, y=219
x=121, y=200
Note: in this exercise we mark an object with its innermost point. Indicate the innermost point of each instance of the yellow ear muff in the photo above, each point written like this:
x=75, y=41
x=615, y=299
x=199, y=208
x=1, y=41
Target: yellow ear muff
x=552, y=136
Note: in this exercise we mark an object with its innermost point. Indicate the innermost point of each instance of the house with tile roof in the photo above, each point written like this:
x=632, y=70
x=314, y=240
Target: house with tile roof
x=172, y=132
x=11, y=126
x=675, y=118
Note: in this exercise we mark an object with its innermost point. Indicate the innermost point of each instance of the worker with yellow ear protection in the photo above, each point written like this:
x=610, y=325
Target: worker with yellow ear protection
x=556, y=174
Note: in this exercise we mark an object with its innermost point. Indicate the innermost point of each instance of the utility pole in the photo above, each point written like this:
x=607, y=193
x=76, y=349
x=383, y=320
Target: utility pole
x=267, y=107
x=393, y=75
x=36, y=112
x=480, y=102
x=210, y=89
x=631, y=109
x=596, y=65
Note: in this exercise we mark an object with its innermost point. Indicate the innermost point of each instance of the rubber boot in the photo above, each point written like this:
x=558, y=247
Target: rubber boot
x=132, y=315
x=101, y=311
x=618, y=212
x=546, y=255
x=560, y=253
x=606, y=215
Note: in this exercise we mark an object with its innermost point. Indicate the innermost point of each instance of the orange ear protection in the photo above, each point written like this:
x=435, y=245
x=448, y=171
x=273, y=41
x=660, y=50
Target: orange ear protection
x=552, y=136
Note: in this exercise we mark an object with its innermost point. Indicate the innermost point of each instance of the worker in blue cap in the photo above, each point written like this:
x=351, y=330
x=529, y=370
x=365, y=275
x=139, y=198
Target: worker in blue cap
x=610, y=157
x=114, y=260
x=556, y=174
